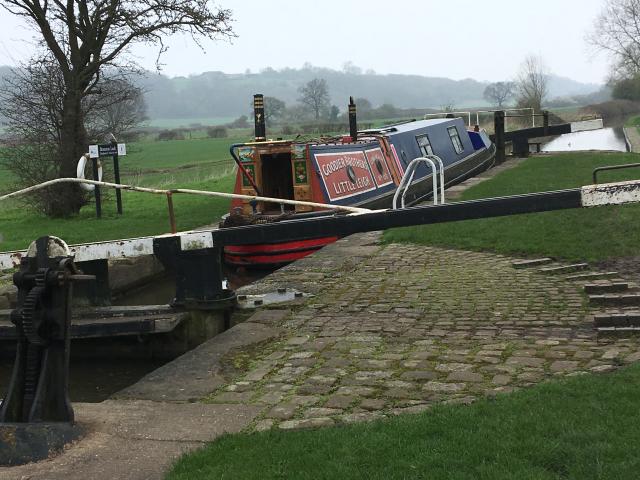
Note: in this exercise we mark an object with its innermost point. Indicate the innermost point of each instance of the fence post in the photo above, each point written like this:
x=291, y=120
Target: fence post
x=498, y=124
x=545, y=119
x=96, y=191
x=116, y=176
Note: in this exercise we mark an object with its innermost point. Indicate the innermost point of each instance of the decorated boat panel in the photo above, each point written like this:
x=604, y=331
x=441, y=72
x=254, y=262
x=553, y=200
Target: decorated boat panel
x=352, y=173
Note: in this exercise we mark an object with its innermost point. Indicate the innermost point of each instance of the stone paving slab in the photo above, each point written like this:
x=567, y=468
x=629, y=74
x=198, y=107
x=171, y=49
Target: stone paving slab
x=135, y=440
x=407, y=326
x=199, y=372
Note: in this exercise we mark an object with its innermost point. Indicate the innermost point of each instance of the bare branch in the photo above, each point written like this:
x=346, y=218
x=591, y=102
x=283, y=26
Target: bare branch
x=87, y=37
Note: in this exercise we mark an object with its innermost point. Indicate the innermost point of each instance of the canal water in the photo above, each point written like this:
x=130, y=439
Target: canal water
x=93, y=381
x=96, y=379
x=611, y=138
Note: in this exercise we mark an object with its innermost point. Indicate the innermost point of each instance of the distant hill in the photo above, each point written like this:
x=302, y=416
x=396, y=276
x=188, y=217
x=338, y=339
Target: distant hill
x=567, y=87
x=218, y=94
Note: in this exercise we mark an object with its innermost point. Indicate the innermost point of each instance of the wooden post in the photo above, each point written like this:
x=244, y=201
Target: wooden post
x=116, y=174
x=498, y=123
x=545, y=117
x=96, y=191
x=172, y=215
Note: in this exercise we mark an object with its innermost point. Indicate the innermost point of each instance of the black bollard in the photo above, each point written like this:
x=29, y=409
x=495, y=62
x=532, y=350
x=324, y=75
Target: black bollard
x=353, y=121
x=258, y=117
x=498, y=122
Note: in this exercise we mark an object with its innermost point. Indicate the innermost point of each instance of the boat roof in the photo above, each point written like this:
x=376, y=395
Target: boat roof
x=407, y=126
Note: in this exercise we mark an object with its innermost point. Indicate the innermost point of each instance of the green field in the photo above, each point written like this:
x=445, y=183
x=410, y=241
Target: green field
x=203, y=164
x=162, y=163
x=581, y=234
x=579, y=428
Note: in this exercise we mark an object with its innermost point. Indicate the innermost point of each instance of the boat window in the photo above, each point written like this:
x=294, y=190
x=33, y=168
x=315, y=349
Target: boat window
x=424, y=144
x=404, y=156
x=455, y=139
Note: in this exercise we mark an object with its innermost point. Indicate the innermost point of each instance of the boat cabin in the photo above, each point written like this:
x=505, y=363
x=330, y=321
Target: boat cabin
x=340, y=171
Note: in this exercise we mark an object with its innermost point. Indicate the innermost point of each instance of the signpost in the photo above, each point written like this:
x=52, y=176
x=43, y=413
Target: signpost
x=114, y=150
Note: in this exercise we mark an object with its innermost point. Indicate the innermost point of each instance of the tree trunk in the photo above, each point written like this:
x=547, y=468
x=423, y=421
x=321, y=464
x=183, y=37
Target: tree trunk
x=73, y=144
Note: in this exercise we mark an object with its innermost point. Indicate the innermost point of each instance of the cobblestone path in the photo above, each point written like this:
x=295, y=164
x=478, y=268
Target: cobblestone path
x=402, y=327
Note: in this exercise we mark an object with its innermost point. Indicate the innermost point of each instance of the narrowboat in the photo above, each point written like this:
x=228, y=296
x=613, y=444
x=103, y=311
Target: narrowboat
x=362, y=169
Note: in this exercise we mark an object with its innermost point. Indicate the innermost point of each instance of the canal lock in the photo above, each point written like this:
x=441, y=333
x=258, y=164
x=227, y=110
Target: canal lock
x=102, y=366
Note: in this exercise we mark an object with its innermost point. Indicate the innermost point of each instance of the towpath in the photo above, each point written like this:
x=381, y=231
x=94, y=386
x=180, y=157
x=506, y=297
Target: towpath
x=390, y=329
x=408, y=326
x=633, y=138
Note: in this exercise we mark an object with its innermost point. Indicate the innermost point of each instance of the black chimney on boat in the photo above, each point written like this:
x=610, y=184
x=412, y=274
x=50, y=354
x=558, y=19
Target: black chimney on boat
x=258, y=114
x=353, y=124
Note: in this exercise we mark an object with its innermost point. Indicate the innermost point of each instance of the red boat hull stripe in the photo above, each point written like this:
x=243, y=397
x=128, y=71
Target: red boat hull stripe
x=266, y=259
x=279, y=248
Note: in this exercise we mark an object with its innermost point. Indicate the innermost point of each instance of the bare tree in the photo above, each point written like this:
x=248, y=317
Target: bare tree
x=315, y=96
x=31, y=105
x=351, y=68
x=499, y=93
x=31, y=101
x=86, y=36
x=532, y=84
x=617, y=31
x=363, y=104
x=117, y=110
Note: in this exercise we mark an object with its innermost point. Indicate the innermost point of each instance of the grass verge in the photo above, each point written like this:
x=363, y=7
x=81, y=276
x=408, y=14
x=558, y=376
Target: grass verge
x=632, y=121
x=203, y=164
x=582, y=234
x=583, y=428
x=144, y=214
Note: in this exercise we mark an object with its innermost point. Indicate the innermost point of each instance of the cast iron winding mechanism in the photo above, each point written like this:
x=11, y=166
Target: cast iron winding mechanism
x=38, y=390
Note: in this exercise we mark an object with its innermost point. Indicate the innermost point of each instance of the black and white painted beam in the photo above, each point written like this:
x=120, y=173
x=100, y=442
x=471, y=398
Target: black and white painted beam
x=341, y=225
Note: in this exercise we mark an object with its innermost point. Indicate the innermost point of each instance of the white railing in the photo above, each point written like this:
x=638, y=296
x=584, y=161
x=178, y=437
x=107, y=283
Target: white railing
x=440, y=114
x=409, y=173
x=120, y=186
x=533, y=118
x=478, y=112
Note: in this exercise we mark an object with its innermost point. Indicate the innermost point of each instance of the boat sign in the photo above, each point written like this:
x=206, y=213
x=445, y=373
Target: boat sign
x=345, y=174
x=378, y=167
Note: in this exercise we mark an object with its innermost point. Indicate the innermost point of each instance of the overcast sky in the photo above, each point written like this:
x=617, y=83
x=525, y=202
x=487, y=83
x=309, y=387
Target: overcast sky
x=481, y=39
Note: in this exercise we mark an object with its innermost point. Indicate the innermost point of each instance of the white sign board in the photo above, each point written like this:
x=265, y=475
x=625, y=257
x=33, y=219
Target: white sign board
x=122, y=149
x=93, y=151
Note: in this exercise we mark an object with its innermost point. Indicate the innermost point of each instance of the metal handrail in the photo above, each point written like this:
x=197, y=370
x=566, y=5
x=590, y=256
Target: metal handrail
x=612, y=167
x=439, y=114
x=441, y=164
x=170, y=193
x=409, y=173
x=533, y=114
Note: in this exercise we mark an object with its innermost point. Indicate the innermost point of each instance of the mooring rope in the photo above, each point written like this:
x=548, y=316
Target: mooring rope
x=120, y=186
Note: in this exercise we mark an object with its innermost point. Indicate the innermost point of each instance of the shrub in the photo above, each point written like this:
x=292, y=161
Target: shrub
x=240, y=122
x=613, y=108
x=287, y=130
x=217, y=132
x=175, y=134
